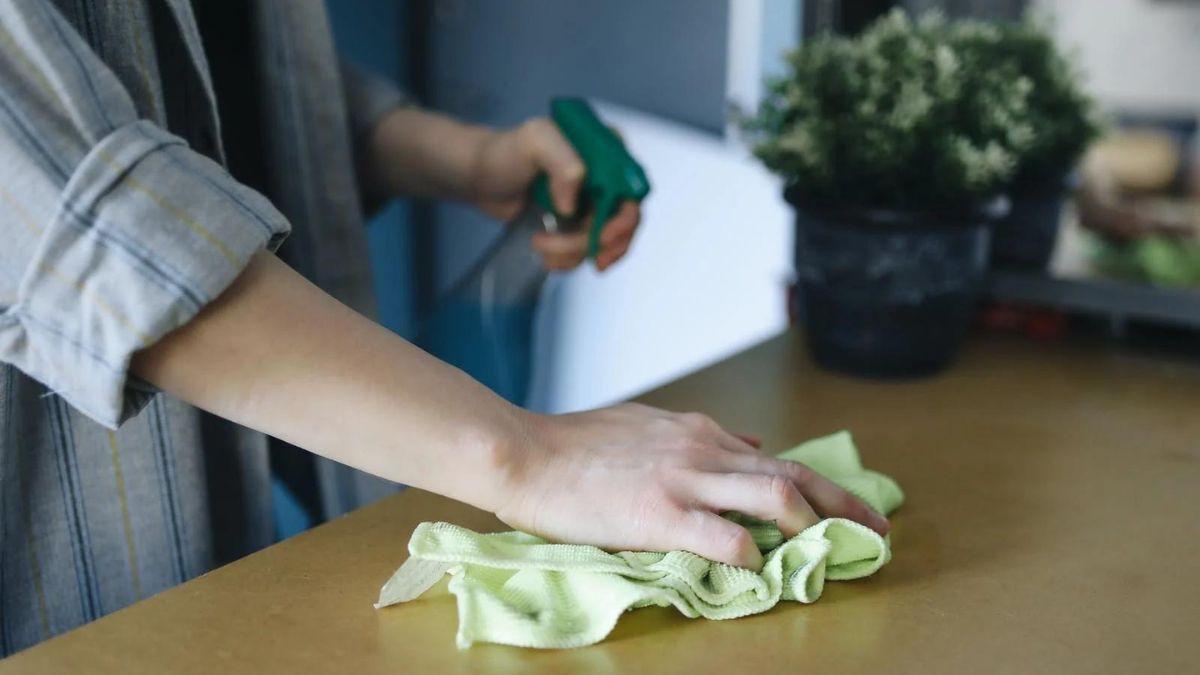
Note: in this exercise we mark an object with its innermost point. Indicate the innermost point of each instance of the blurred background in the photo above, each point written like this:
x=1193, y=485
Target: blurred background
x=712, y=268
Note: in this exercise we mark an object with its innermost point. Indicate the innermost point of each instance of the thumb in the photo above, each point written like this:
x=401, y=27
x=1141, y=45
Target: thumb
x=553, y=154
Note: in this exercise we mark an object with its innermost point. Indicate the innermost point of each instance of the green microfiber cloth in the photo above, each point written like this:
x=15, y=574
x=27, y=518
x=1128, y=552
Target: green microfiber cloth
x=517, y=589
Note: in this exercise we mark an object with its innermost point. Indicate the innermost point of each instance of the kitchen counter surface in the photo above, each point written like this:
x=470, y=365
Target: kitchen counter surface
x=1052, y=525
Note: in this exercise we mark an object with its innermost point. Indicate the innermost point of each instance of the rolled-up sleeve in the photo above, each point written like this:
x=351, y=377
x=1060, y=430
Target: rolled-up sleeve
x=114, y=231
x=369, y=97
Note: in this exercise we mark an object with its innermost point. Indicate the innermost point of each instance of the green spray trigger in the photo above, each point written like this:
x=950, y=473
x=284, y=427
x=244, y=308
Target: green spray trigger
x=613, y=175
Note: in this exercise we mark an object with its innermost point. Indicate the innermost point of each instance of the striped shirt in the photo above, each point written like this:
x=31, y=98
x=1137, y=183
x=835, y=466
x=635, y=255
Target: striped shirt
x=119, y=221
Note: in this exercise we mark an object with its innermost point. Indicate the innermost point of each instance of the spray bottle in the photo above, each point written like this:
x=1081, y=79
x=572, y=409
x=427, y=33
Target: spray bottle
x=484, y=324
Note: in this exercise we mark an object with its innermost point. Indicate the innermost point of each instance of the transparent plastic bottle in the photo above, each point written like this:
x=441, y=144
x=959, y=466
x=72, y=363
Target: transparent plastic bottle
x=484, y=325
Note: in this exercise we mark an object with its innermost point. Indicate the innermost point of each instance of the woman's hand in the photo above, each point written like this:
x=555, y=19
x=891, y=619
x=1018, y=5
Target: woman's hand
x=506, y=165
x=632, y=477
x=424, y=154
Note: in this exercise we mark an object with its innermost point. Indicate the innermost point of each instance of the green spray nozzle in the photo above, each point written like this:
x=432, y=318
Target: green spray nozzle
x=613, y=175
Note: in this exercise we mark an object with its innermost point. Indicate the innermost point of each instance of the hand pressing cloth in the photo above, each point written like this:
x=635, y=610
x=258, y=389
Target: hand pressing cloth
x=517, y=589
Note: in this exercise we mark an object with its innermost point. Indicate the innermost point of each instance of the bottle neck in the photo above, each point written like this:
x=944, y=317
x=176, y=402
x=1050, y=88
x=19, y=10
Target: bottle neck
x=540, y=220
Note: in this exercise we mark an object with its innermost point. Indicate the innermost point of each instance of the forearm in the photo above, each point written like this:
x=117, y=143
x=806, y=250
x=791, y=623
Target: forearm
x=277, y=354
x=423, y=154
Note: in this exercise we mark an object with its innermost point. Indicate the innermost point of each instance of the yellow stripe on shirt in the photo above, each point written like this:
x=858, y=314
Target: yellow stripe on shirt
x=166, y=205
x=125, y=520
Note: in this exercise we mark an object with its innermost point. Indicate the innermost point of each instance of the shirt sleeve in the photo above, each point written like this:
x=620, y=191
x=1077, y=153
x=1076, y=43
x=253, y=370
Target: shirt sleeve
x=114, y=231
x=369, y=96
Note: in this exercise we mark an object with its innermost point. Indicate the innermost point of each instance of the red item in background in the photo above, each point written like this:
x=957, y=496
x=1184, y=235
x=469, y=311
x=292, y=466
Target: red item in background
x=1032, y=322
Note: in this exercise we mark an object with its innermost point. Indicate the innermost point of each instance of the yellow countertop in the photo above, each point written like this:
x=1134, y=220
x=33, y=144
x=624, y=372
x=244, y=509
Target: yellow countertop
x=1052, y=525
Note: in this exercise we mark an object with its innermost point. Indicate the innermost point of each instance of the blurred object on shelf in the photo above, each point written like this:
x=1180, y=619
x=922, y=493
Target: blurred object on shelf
x=1157, y=259
x=1139, y=198
x=1137, y=160
x=1121, y=258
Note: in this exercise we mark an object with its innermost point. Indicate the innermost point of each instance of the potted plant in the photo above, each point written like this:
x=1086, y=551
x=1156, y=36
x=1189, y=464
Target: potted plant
x=895, y=152
x=1064, y=121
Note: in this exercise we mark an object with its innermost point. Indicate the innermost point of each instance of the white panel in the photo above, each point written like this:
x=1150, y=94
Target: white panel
x=743, y=63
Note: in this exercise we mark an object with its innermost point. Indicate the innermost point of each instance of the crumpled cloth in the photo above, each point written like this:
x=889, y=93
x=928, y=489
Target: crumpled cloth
x=517, y=589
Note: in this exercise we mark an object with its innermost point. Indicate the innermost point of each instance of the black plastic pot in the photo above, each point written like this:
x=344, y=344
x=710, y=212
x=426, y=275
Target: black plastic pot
x=889, y=293
x=1025, y=238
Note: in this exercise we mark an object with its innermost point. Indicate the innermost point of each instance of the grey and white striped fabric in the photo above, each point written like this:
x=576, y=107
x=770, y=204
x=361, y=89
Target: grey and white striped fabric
x=118, y=223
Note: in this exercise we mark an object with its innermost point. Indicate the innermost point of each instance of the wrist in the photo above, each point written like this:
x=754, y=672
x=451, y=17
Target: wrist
x=505, y=453
x=481, y=141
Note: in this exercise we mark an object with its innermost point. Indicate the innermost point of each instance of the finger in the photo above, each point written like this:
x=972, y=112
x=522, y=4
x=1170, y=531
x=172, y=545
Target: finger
x=739, y=443
x=709, y=429
x=622, y=224
x=751, y=440
x=623, y=240
x=567, y=250
x=828, y=499
x=710, y=536
x=553, y=154
x=617, y=235
x=561, y=263
x=548, y=243
x=610, y=257
x=564, y=248
x=769, y=497
x=617, y=246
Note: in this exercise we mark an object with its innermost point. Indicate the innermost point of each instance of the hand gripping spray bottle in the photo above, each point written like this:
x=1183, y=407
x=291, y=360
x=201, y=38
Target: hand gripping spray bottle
x=484, y=325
